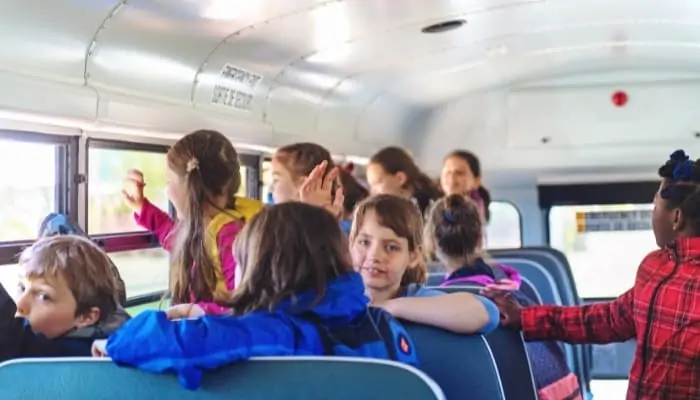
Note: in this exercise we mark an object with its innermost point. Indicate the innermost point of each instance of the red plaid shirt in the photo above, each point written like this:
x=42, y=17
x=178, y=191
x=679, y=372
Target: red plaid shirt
x=661, y=311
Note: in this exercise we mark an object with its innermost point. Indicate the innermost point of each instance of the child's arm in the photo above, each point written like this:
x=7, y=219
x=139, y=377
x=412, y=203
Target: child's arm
x=595, y=323
x=157, y=222
x=463, y=313
x=151, y=342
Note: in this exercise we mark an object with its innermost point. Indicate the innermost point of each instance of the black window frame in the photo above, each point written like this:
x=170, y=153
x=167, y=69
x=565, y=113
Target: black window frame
x=66, y=184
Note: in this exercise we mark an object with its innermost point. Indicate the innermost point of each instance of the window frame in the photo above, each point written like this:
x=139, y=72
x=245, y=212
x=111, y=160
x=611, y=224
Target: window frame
x=120, y=241
x=66, y=181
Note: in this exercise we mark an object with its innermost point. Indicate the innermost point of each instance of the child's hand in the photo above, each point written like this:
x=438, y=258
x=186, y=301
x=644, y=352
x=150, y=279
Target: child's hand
x=508, y=306
x=99, y=348
x=317, y=190
x=132, y=192
x=182, y=311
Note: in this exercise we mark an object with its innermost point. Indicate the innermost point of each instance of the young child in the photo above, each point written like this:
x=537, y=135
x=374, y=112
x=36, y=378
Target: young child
x=461, y=174
x=293, y=164
x=661, y=311
x=67, y=297
x=453, y=232
x=392, y=170
x=203, y=178
x=386, y=248
x=297, y=295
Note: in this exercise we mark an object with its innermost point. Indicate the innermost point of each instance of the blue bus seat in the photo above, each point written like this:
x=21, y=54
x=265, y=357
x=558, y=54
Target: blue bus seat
x=267, y=378
x=557, y=265
x=509, y=352
x=435, y=278
x=462, y=365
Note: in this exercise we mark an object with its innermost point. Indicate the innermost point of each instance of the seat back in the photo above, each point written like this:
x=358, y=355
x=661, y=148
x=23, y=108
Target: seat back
x=266, y=378
x=510, y=353
x=435, y=278
x=555, y=262
x=462, y=365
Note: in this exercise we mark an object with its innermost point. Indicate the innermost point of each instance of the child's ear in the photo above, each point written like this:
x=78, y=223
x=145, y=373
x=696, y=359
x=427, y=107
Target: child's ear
x=88, y=318
x=416, y=257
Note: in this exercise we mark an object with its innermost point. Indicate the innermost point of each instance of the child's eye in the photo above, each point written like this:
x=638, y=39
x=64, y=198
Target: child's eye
x=43, y=297
x=363, y=242
x=393, y=247
x=21, y=288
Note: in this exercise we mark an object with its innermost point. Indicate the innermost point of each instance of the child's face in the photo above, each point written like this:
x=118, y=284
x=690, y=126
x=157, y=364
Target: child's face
x=50, y=307
x=457, y=177
x=382, y=182
x=380, y=256
x=284, y=187
x=175, y=190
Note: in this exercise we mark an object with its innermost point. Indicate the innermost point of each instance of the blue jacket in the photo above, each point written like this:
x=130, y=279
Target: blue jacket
x=340, y=323
x=18, y=341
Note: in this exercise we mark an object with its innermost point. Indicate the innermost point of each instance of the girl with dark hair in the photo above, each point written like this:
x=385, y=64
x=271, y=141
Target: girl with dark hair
x=661, y=311
x=461, y=174
x=393, y=171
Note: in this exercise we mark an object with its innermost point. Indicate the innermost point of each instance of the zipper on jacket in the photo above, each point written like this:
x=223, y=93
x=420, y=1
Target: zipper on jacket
x=650, y=315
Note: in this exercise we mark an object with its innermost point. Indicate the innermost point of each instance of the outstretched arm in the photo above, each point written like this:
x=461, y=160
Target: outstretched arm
x=595, y=323
x=463, y=313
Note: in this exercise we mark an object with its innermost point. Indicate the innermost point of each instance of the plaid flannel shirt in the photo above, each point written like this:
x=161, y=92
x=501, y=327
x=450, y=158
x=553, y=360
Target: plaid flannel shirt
x=661, y=311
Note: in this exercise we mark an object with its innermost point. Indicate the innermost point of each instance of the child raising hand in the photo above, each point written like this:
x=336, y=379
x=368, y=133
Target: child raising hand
x=204, y=176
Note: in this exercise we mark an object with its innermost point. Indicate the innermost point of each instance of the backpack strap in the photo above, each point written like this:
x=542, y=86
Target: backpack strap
x=398, y=343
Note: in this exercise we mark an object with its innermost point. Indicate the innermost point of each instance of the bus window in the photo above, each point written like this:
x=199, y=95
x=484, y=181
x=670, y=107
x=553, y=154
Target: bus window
x=503, y=230
x=29, y=187
x=604, y=244
x=107, y=168
x=144, y=270
x=266, y=180
x=243, y=190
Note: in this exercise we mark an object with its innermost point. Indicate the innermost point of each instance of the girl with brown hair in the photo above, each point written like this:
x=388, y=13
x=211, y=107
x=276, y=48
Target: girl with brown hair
x=393, y=171
x=204, y=176
x=386, y=247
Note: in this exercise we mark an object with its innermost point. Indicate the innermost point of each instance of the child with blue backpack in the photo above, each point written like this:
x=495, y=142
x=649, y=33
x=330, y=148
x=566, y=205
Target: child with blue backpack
x=453, y=232
x=297, y=294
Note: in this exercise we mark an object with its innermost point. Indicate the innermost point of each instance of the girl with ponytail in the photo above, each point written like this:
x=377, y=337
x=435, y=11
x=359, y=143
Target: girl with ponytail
x=204, y=176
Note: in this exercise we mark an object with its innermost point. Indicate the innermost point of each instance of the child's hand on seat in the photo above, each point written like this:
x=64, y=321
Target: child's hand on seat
x=508, y=306
x=99, y=348
x=182, y=311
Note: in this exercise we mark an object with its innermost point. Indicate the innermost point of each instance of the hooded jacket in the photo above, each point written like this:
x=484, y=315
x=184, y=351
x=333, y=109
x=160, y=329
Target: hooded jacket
x=339, y=323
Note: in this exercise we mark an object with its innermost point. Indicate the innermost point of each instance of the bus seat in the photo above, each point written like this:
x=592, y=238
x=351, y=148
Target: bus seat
x=267, y=378
x=462, y=365
x=435, y=278
x=557, y=265
x=536, y=278
x=509, y=352
x=528, y=287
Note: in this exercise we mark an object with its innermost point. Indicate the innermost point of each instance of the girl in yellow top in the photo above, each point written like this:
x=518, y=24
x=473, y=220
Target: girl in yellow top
x=203, y=178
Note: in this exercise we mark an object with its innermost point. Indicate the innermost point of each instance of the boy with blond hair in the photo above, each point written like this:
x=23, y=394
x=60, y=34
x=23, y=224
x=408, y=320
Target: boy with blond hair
x=66, y=298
